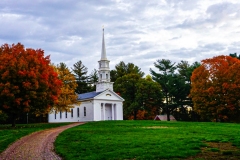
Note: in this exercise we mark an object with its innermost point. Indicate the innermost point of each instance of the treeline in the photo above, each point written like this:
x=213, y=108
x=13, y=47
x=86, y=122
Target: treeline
x=165, y=91
x=206, y=91
x=30, y=87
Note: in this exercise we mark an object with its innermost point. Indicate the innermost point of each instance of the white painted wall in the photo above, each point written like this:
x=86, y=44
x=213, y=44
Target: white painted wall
x=119, y=108
x=97, y=111
x=89, y=111
x=51, y=117
x=75, y=118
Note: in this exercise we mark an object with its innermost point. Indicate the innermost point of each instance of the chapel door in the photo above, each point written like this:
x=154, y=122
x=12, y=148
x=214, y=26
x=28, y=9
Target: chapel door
x=108, y=112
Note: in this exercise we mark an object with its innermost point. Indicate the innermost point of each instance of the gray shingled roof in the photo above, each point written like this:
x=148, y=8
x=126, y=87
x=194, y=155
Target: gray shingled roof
x=88, y=95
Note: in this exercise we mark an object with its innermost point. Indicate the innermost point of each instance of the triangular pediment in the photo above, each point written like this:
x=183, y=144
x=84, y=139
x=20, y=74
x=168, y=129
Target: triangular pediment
x=108, y=95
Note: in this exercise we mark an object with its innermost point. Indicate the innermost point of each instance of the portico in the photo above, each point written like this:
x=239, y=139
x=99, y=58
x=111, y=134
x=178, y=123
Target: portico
x=108, y=111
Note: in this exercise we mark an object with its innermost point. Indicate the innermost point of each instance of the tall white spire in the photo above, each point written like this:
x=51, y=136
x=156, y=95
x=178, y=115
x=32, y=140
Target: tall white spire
x=103, y=55
x=104, y=71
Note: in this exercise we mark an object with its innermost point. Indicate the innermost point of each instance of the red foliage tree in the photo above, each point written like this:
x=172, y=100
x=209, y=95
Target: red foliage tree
x=216, y=89
x=28, y=82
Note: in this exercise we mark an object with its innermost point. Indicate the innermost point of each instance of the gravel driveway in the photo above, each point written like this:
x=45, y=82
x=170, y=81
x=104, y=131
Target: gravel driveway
x=36, y=146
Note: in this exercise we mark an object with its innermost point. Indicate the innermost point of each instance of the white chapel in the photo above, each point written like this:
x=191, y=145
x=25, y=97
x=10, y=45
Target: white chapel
x=102, y=104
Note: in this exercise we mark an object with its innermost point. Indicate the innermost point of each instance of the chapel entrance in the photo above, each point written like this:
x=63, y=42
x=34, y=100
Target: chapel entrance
x=108, y=111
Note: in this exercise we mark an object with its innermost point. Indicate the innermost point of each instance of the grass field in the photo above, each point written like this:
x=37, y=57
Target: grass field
x=8, y=134
x=147, y=140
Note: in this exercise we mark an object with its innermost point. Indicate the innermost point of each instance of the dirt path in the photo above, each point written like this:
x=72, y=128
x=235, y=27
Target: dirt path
x=218, y=151
x=37, y=146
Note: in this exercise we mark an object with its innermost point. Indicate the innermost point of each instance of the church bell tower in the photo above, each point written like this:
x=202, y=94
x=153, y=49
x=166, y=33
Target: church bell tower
x=104, y=71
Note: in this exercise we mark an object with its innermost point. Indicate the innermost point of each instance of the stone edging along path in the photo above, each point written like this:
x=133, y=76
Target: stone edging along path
x=37, y=146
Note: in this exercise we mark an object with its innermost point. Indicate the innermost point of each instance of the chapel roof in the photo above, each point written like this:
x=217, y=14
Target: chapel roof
x=88, y=95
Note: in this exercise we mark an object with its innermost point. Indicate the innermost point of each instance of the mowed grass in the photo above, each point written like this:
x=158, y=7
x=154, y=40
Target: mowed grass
x=142, y=139
x=9, y=135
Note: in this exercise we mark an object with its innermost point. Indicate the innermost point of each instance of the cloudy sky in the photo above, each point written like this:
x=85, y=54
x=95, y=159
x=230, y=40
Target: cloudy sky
x=137, y=31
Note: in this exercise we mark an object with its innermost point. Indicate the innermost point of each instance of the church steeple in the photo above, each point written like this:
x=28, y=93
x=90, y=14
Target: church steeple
x=103, y=55
x=104, y=71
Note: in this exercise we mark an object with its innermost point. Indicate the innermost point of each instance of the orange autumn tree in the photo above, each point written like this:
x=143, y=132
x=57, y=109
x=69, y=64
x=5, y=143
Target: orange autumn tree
x=216, y=89
x=28, y=83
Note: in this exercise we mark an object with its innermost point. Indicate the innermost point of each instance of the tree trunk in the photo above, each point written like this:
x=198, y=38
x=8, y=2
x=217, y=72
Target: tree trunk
x=168, y=114
x=135, y=114
x=13, y=120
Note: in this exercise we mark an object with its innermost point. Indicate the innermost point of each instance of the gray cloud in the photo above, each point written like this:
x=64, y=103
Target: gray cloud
x=135, y=31
x=223, y=11
x=216, y=13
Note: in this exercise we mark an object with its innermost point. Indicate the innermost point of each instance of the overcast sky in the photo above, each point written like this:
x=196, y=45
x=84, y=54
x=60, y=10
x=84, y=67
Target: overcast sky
x=137, y=31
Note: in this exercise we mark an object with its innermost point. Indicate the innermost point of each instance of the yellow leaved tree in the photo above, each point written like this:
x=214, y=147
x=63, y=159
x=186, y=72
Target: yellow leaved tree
x=68, y=97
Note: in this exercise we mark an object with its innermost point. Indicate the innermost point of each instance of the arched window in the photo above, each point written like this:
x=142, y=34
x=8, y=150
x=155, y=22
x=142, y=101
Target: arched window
x=71, y=112
x=66, y=114
x=84, y=111
x=100, y=76
x=106, y=76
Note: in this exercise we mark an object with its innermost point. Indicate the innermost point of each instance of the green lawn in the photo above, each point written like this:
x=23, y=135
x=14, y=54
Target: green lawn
x=9, y=135
x=142, y=139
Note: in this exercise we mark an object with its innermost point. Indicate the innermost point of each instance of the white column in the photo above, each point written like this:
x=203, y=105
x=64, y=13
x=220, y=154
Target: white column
x=103, y=111
x=112, y=112
x=116, y=111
